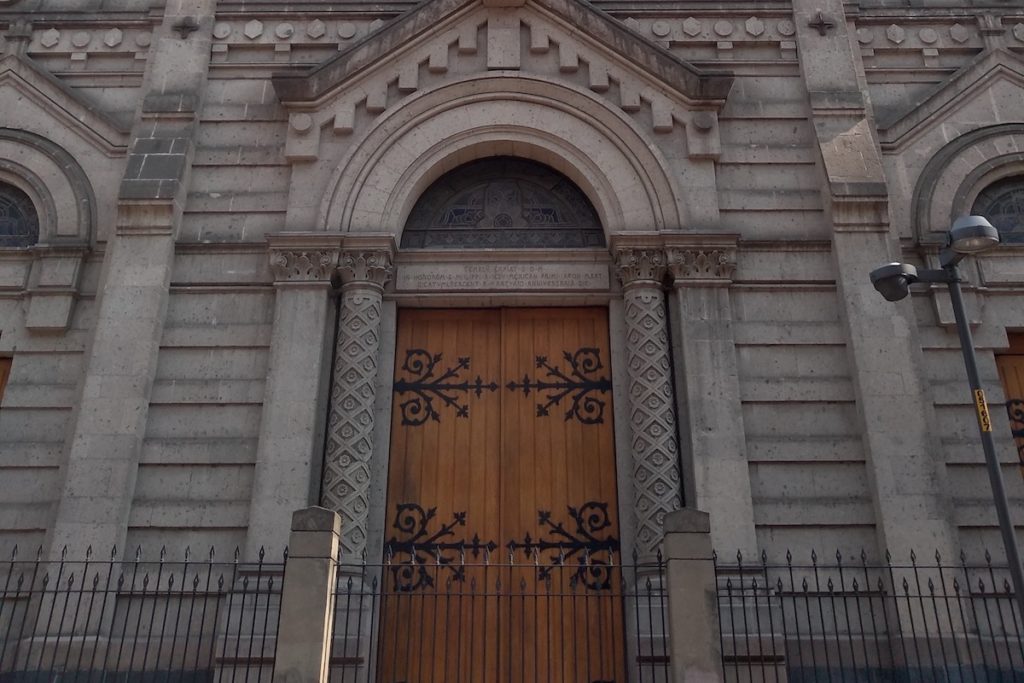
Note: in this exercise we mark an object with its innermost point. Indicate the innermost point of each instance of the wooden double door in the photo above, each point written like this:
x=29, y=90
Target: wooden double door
x=502, y=514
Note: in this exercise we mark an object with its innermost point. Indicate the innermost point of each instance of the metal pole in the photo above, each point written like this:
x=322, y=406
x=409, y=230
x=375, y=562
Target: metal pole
x=995, y=476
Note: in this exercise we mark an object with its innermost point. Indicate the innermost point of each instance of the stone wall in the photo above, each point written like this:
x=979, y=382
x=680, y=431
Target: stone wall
x=93, y=77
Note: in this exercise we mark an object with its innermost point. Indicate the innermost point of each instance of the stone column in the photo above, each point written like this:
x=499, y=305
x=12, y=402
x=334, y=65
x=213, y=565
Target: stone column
x=714, y=448
x=110, y=417
x=291, y=428
x=894, y=402
x=307, y=598
x=365, y=268
x=641, y=267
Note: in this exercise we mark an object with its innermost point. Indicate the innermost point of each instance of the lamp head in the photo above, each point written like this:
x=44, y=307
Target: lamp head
x=972, y=235
x=893, y=280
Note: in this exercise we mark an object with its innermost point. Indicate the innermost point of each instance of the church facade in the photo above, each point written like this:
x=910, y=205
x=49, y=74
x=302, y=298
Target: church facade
x=483, y=270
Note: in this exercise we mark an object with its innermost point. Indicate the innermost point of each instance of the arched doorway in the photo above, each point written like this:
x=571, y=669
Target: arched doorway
x=502, y=529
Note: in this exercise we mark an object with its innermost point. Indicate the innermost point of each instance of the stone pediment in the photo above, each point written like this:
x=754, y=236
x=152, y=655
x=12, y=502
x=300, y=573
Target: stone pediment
x=996, y=74
x=567, y=42
x=23, y=80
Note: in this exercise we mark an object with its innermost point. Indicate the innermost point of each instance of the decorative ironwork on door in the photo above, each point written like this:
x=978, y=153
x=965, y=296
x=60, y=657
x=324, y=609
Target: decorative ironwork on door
x=1015, y=409
x=502, y=483
x=579, y=381
x=586, y=543
x=448, y=387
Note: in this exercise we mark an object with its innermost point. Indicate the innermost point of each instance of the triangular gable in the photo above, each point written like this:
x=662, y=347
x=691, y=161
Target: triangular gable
x=567, y=43
x=693, y=84
x=960, y=89
x=56, y=99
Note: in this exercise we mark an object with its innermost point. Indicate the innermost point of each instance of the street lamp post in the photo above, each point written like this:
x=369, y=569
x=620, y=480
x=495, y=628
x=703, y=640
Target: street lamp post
x=969, y=235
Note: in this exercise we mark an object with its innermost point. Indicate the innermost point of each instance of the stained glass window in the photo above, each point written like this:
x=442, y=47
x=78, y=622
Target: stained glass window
x=1002, y=203
x=19, y=222
x=502, y=202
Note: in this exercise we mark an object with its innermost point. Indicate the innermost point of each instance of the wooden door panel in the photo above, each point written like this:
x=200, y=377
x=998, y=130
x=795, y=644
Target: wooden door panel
x=1011, y=372
x=501, y=449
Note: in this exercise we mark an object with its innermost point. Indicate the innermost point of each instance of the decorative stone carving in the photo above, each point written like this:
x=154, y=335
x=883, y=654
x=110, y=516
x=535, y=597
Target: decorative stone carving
x=652, y=418
x=113, y=37
x=253, y=29
x=313, y=265
x=959, y=33
x=316, y=29
x=350, y=425
x=701, y=264
x=370, y=267
x=640, y=265
x=50, y=37
x=754, y=26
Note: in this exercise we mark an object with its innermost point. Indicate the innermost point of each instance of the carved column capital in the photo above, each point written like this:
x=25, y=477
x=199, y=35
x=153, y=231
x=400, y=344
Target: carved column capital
x=696, y=265
x=365, y=267
x=303, y=265
x=640, y=265
x=303, y=257
x=366, y=261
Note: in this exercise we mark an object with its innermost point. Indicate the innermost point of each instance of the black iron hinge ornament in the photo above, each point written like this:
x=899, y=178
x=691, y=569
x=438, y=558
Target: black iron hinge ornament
x=591, y=551
x=580, y=381
x=410, y=556
x=447, y=388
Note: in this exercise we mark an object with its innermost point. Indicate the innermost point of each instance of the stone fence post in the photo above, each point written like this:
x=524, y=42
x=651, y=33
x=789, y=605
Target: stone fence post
x=694, y=642
x=307, y=598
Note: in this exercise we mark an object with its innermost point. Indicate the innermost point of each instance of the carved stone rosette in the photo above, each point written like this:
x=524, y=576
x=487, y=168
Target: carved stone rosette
x=655, y=446
x=350, y=425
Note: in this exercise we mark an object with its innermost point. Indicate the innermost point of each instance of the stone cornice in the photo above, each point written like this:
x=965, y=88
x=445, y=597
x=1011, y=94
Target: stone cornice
x=696, y=84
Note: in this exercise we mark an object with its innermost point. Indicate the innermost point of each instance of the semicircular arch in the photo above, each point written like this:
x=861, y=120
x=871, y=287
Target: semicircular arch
x=57, y=185
x=600, y=149
x=953, y=177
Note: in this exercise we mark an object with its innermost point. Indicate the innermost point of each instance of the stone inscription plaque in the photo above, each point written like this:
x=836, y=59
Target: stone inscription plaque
x=491, y=277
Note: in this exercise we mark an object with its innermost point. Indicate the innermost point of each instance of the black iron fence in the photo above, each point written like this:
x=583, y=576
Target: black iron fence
x=161, y=620
x=849, y=619
x=205, y=620
x=579, y=621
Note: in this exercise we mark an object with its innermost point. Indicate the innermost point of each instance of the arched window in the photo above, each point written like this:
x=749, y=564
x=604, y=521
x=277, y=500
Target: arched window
x=1002, y=203
x=502, y=202
x=19, y=222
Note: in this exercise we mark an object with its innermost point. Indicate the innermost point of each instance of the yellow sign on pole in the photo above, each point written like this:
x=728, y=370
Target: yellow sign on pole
x=981, y=405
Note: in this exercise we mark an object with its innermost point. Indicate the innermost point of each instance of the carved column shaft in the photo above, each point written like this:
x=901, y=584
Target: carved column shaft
x=346, y=479
x=716, y=474
x=291, y=426
x=652, y=418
